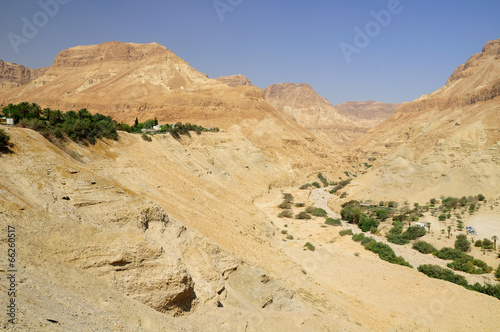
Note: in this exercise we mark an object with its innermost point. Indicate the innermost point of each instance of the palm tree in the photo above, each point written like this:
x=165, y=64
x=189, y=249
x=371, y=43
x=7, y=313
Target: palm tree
x=449, y=231
x=429, y=227
x=494, y=238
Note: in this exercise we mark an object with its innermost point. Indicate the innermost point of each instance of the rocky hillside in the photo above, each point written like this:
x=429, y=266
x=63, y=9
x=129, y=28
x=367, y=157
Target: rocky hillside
x=235, y=80
x=366, y=114
x=131, y=235
x=13, y=75
x=126, y=80
x=445, y=142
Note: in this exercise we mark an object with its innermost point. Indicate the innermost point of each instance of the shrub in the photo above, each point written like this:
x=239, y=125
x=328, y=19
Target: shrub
x=319, y=212
x=4, y=139
x=289, y=237
x=385, y=253
x=382, y=214
x=316, y=184
x=333, y=222
x=468, y=264
x=397, y=239
x=323, y=180
x=285, y=205
x=309, y=209
x=351, y=214
x=366, y=240
x=397, y=228
x=435, y=271
x=300, y=204
x=286, y=214
x=310, y=246
x=302, y=215
x=358, y=237
x=284, y=231
x=487, y=244
x=478, y=243
x=345, y=232
x=451, y=254
x=424, y=247
x=497, y=272
x=366, y=223
x=147, y=138
x=288, y=197
x=462, y=244
x=442, y=217
x=481, y=197
x=305, y=186
x=414, y=232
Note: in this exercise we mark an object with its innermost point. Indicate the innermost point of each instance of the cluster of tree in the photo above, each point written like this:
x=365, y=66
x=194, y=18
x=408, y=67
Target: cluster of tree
x=78, y=125
x=383, y=250
x=435, y=271
x=352, y=213
x=175, y=130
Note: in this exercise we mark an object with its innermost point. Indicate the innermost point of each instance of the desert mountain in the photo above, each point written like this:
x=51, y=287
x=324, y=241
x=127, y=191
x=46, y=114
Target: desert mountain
x=366, y=114
x=127, y=80
x=314, y=112
x=446, y=142
x=235, y=80
x=13, y=75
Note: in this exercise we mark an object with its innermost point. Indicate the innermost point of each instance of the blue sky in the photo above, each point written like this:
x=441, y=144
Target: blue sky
x=407, y=53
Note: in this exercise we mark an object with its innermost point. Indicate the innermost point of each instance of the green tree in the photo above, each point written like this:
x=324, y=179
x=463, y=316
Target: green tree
x=462, y=243
x=494, y=238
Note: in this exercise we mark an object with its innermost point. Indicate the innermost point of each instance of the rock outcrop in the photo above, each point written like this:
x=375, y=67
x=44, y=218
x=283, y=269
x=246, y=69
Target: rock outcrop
x=235, y=80
x=13, y=75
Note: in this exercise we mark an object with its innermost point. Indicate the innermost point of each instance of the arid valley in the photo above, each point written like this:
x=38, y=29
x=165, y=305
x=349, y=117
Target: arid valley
x=139, y=194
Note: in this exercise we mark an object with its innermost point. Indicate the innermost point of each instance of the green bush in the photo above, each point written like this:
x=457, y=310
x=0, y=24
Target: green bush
x=461, y=243
x=287, y=197
x=315, y=184
x=435, y=271
x=424, y=247
x=309, y=209
x=487, y=244
x=323, y=180
x=285, y=205
x=478, y=243
x=345, y=232
x=382, y=214
x=397, y=228
x=4, y=139
x=358, y=237
x=147, y=138
x=385, y=253
x=451, y=254
x=397, y=239
x=442, y=217
x=414, y=232
x=305, y=186
x=284, y=231
x=310, y=246
x=367, y=223
x=286, y=214
x=351, y=214
x=497, y=272
x=481, y=197
x=289, y=237
x=333, y=222
x=319, y=212
x=300, y=204
x=303, y=215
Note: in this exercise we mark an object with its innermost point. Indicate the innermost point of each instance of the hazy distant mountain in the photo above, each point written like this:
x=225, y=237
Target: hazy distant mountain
x=342, y=125
x=13, y=75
